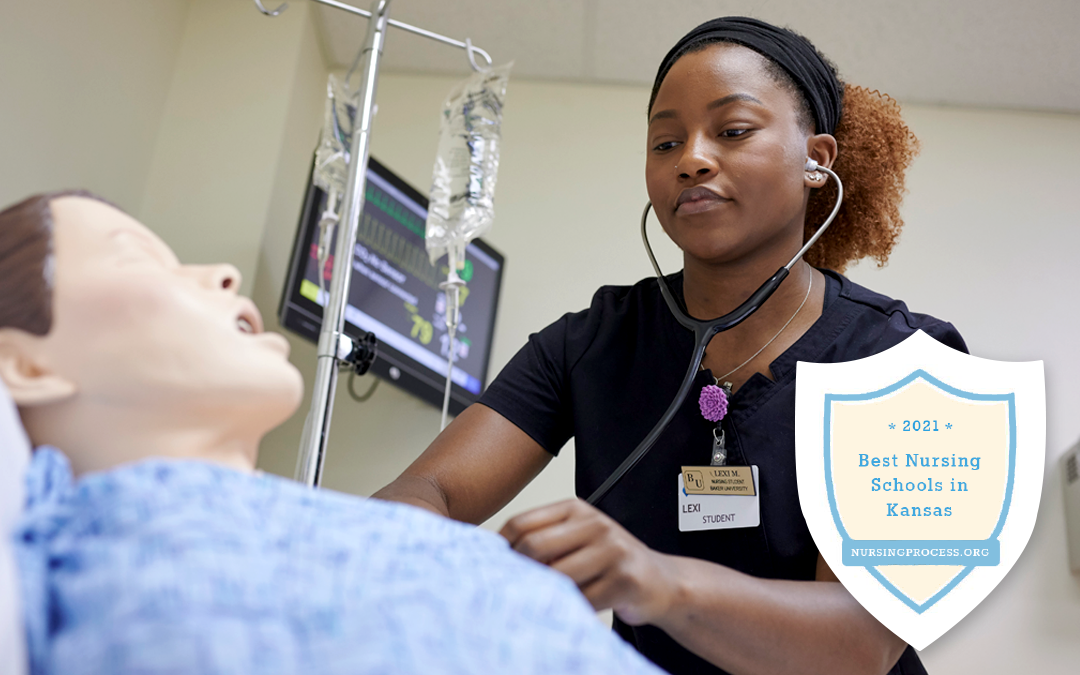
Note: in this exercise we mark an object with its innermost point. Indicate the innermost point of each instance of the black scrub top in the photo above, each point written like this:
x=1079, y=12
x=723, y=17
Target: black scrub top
x=604, y=376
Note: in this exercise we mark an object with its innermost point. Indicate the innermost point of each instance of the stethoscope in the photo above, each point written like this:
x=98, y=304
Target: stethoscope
x=705, y=330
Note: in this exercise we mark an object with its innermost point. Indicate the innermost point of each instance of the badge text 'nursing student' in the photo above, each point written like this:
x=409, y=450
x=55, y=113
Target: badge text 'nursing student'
x=920, y=471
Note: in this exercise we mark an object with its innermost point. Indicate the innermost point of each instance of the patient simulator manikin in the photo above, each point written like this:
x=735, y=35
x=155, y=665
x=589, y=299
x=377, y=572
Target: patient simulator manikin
x=149, y=544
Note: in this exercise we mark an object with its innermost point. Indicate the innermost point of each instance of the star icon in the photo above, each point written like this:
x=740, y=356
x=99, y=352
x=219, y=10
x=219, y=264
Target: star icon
x=892, y=426
x=949, y=425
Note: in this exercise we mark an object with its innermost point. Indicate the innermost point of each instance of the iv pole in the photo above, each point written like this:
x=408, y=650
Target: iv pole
x=334, y=345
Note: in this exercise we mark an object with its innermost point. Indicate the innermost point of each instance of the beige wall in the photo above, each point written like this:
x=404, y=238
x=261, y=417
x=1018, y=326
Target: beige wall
x=82, y=91
x=228, y=119
x=201, y=117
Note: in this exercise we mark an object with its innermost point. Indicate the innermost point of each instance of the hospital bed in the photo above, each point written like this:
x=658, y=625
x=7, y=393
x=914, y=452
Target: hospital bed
x=14, y=457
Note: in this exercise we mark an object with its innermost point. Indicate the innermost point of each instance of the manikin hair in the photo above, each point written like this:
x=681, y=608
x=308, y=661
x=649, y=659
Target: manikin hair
x=27, y=261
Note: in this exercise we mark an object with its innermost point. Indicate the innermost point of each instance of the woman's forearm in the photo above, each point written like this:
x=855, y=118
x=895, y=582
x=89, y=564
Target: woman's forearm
x=472, y=469
x=753, y=626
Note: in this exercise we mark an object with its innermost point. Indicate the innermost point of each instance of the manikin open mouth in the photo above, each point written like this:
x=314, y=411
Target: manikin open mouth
x=248, y=319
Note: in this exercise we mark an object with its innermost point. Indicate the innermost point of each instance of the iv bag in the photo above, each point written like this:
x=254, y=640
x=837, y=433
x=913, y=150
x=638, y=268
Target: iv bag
x=463, y=182
x=335, y=142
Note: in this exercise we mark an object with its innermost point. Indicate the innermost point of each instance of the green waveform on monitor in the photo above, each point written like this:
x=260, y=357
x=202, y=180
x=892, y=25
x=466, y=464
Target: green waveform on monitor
x=394, y=209
x=399, y=251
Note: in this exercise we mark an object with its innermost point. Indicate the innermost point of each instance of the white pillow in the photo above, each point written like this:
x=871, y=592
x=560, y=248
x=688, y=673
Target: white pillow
x=14, y=456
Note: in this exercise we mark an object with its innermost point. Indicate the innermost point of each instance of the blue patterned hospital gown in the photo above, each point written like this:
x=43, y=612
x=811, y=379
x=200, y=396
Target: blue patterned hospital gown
x=185, y=567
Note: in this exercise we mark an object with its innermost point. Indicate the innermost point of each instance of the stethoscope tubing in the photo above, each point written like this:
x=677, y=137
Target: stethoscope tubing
x=704, y=331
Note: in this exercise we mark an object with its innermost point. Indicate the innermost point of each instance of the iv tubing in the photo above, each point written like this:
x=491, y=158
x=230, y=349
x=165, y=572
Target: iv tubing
x=452, y=292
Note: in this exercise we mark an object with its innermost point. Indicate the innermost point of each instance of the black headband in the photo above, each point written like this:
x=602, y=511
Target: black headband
x=815, y=78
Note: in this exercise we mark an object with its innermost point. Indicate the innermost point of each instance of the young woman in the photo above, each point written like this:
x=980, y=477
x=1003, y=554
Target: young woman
x=737, y=108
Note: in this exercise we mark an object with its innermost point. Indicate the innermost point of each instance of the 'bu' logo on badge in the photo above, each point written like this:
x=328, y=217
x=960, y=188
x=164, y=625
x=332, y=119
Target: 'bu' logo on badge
x=920, y=471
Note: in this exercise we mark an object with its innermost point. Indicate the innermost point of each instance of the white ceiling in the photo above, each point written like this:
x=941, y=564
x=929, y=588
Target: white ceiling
x=983, y=53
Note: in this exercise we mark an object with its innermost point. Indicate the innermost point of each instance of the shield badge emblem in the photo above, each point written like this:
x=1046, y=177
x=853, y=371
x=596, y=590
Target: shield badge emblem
x=920, y=472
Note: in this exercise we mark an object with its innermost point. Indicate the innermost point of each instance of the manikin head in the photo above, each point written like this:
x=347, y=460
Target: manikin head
x=114, y=351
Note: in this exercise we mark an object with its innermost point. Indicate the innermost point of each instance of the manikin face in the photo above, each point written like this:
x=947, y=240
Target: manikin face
x=725, y=157
x=135, y=329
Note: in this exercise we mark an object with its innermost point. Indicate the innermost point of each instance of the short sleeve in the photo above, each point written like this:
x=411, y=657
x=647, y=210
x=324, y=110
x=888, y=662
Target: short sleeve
x=876, y=323
x=532, y=390
x=945, y=333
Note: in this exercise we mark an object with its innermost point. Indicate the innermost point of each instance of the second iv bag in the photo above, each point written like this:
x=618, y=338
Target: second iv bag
x=463, y=182
x=335, y=142
x=331, y=171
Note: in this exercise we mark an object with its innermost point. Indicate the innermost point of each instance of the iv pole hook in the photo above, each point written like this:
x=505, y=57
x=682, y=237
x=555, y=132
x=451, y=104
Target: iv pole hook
x=471, y=50
x=279, y=10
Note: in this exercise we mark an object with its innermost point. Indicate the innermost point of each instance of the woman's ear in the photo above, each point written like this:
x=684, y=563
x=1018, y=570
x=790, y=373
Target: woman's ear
x=822, y=149
x=29, y=382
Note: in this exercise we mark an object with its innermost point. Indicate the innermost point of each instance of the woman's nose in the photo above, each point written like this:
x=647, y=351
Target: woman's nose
x=697, y=160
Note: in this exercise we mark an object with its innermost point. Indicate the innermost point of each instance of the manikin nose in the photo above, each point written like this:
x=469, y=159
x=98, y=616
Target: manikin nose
x=225, y=277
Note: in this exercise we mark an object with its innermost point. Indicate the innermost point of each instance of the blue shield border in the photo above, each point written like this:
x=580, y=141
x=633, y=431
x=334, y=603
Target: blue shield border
x=959, y=393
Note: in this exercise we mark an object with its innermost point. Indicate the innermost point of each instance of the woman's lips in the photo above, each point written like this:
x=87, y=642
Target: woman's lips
x=696, y=200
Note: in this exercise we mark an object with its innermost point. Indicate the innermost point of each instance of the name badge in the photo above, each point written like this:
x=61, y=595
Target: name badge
x=728, y=505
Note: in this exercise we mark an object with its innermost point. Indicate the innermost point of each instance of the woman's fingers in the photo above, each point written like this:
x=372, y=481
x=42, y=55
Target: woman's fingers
x=538, y=518
x=551, y=533
x=588, y=564
x=610, y=566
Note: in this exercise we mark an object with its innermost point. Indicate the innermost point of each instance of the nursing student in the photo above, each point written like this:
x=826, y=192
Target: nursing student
x=737, y=108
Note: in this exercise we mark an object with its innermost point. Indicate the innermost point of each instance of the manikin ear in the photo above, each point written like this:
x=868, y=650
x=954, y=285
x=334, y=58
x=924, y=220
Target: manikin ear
x=822, y=149
x=28, y=381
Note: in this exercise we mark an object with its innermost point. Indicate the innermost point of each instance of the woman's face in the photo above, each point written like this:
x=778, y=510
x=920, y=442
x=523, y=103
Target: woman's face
x=133, y=328
x=725, y=158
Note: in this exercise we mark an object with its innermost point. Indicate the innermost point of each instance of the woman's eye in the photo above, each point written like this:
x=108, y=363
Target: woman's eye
x=733, y=133
x=666, y=145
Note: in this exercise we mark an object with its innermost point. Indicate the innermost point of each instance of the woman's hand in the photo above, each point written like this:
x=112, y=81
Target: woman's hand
x=612, y=568
x=740, y=623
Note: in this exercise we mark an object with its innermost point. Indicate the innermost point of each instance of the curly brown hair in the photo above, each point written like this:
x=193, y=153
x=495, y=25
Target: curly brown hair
x=875, y=149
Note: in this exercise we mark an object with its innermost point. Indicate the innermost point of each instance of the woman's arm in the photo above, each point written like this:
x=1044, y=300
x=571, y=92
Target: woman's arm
x=741, y=623
x=750, y=625
x=472, y=469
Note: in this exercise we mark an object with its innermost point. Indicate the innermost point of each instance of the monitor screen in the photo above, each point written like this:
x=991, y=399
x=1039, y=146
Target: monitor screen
x=394, y=293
